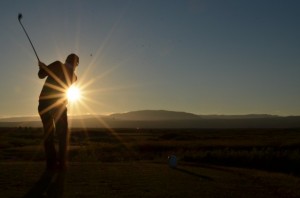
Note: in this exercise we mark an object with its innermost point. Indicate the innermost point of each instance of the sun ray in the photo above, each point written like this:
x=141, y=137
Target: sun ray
x=55, y=77
x=54, y=105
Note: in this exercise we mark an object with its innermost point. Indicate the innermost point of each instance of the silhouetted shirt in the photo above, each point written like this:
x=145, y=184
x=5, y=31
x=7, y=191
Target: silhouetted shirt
x=59, y=78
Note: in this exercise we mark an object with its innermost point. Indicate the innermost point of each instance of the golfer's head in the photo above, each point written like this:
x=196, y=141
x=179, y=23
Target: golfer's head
x=73, y=59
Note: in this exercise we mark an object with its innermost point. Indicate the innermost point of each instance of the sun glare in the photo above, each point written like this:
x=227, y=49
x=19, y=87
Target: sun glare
x=73, y=94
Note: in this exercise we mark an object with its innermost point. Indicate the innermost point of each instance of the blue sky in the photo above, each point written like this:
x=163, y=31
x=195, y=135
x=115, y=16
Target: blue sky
x=204, y=57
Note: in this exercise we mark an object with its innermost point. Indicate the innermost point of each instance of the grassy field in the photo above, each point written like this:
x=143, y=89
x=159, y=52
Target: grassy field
x=142, y=179
x=133, y=162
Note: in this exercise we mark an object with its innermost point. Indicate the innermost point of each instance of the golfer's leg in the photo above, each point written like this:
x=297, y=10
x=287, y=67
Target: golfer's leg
x=48, y=126
x=63, y=133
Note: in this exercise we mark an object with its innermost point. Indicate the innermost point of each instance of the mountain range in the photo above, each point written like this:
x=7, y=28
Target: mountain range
x=165, y=119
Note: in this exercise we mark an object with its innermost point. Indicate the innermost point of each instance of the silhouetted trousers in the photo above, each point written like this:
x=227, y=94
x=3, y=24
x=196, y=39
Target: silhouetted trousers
x=55, y=123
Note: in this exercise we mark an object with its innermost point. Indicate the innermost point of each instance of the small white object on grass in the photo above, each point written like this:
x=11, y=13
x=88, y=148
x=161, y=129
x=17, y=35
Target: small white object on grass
x=172, y=159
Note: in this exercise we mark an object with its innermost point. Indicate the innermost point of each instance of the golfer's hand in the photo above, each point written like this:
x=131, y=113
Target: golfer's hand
x=41, y=64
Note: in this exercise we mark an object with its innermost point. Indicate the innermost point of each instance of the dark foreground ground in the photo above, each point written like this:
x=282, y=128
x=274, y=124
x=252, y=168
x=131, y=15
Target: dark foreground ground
x=142, y=179
x=133, y=163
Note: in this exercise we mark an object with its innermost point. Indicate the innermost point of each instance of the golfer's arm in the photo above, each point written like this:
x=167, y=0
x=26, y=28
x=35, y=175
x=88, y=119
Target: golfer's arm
x=47, y=70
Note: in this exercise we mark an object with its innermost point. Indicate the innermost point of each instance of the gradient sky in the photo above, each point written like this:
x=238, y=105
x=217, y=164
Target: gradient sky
x=203, y=57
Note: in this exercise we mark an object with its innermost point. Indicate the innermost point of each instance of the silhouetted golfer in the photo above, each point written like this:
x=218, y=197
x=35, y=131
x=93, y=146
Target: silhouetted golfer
x=52, y=108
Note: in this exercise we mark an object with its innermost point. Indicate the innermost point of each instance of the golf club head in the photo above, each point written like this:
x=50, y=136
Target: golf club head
x=20, y=16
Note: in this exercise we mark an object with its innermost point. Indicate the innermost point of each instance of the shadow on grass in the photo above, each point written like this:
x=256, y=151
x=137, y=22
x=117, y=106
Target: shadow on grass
x=192, y=173
x=50, y=184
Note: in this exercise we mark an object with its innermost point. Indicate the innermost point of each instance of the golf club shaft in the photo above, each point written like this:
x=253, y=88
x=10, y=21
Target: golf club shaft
x=29, y=41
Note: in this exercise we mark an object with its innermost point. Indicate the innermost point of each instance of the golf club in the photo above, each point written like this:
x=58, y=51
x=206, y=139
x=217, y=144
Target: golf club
x=19, y=18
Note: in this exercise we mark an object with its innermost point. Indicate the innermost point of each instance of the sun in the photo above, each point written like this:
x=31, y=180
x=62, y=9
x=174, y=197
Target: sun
x=73, y=93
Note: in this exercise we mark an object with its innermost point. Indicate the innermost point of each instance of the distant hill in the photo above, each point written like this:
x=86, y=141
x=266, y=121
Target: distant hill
x=175, y=115
x=165, y=119
x=154, y=115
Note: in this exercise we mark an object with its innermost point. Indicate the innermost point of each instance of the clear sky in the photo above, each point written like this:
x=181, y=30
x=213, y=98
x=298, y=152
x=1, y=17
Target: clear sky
x=203, y=57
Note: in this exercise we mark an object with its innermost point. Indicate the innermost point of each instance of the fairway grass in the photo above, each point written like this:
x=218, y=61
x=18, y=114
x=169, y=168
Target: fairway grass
x=143, y=179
